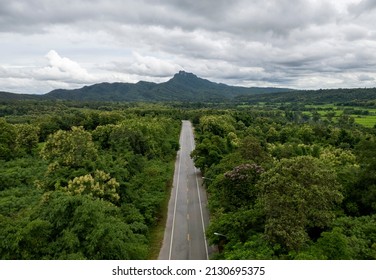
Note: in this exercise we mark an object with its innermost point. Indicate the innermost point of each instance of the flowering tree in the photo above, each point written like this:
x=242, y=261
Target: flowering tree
x=99, y=185
x=73, y=148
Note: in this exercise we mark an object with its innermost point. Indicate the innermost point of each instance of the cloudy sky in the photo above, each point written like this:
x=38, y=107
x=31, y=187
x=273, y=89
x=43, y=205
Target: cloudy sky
x=307, y=44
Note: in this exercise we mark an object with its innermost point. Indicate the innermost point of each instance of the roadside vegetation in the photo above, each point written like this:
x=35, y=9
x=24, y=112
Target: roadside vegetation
x=79, y=183
x=288, y=184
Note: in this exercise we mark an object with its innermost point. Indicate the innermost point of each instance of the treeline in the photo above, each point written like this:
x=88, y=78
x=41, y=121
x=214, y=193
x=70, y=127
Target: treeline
x=79, y=183
x=346, y=97
x=282, y=187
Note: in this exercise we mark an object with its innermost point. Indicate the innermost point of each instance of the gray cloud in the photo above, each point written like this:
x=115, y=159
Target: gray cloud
x=364, y=6
x=278, y=16
x=307, y=44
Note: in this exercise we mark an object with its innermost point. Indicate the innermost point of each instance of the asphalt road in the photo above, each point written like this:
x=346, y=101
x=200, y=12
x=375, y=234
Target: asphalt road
x=184, y=237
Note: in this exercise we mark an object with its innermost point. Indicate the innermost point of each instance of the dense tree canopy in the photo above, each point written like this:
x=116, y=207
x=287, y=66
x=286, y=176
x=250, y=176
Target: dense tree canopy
x=290, y=187
x=84, y=183
x=285, y=180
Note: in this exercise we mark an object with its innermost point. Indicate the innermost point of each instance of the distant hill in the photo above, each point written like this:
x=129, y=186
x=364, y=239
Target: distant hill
x=16, y=96
x=187, y=87
x=182, y=87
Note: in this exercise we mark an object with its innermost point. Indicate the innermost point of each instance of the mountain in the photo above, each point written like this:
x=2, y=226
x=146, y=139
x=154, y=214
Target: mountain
x=187, y=87
x=182, y=87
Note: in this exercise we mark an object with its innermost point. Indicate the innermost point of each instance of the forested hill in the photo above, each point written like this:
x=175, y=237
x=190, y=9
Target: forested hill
x=15, y=96
x=182, y=87
x=187, y=87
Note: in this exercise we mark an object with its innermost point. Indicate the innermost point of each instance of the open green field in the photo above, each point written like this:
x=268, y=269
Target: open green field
x=367, y=121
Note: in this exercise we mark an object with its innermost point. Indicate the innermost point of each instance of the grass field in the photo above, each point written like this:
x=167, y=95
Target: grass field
x=368, y=121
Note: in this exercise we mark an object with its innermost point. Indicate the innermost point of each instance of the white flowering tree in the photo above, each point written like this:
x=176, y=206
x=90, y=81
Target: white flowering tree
x=99, y=185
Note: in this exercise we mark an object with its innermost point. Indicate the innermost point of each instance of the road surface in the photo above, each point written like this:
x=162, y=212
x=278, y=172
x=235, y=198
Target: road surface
x=188, y=217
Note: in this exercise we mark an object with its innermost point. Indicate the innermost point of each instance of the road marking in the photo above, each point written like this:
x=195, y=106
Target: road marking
x=199, y=201
x=202, y=219
x=181, y=153
x=176, y=198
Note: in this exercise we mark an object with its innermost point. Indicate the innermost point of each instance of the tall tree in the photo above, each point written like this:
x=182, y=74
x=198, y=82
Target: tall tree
x=298, y=195
x=27, y=138
x=73, y=148
x=7, y=137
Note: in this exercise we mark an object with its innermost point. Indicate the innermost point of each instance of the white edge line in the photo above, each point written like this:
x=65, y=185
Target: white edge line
x=199, y=200
x=176, y=198
x=202, y=217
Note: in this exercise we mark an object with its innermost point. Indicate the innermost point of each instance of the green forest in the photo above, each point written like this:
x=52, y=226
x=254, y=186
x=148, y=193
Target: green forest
x=83, y=183
x=287, y=185
x=91, y=180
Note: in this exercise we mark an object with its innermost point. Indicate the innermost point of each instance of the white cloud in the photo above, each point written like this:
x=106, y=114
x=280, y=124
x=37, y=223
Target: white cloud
x=63, y=69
